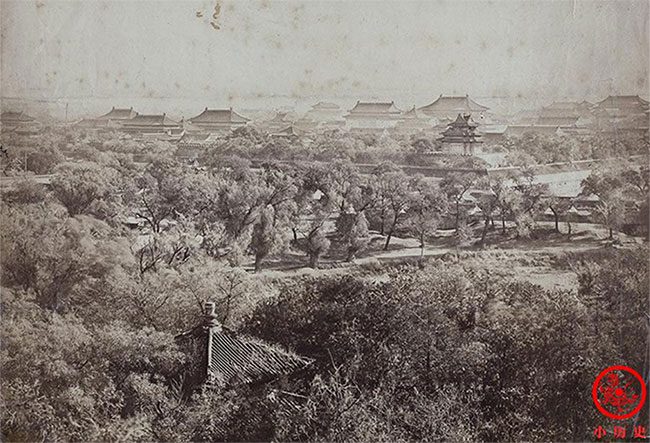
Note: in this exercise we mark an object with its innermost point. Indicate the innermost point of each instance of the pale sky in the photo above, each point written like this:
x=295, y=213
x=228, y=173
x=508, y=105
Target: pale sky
x=162, y=55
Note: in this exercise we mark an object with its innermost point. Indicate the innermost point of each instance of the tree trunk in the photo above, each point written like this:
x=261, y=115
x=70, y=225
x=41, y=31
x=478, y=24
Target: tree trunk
x=503, y=224
x=611, y=234
x=569, y=228
x=492, y=222
x=457, y=214
x=313, y=260
x=258, y=262
x=295, y=234
x=390, y=234
x=484, y=233
x=390, y=231
x=421, y=245
x=555, y=215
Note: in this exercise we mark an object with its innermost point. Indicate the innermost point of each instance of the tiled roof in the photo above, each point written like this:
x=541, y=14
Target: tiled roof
x=624, y=101
x=463, y=129
x=151, y=120
x=564, y=113
x=454, y=104
x=227, y=359
x=375, y=108
x=218, y=116
x=326, y=106
x=289, y=131
x=16, y=116
x=118, y=114
x=279, y=117
x=414, y=113
x=234, y=360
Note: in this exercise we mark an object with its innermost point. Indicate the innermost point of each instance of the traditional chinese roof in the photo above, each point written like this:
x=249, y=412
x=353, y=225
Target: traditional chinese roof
x=623, y=101
x=218, y=116
x=16, y=117
x=414, y=113
x=564, y=113
x=279, y=117
x=461, y=130
x=325, y=106
x=289, y=131
x=229, y=359
x=375, y=108
x=118, y=114
x=150, y=120
x=453, y=105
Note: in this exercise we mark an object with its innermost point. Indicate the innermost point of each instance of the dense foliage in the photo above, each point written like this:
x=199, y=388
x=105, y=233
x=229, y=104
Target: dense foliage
x=105, y=266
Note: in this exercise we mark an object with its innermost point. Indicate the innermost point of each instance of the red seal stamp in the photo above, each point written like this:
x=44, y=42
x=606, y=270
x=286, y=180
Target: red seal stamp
x=619, y=392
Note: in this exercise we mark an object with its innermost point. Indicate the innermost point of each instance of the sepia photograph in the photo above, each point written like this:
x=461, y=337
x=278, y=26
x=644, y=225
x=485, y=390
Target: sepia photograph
x=324, y=221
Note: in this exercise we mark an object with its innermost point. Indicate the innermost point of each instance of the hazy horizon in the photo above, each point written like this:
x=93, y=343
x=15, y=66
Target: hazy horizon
x=168, y=57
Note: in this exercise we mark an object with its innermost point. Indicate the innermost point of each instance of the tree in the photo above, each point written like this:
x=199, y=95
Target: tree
x=455, y=186
x=392, y=186
x=162, y=193
x=426, y=208
x=50, y=254
x=40, y=156
x=352, y=229
x=607, y=186
x=560, y=209
x=98, y=382
x=87, y=188
x=267, y=236
x=25, y=191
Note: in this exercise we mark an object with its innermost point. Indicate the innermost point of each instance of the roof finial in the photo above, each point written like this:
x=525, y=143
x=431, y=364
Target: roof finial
x=209, y=314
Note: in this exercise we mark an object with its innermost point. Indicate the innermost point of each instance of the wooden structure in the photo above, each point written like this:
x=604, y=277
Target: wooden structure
x=216, y=120
x=373, y=116
x=446, y=108
x=219, y=358
x=155, y=124
x=460, y=137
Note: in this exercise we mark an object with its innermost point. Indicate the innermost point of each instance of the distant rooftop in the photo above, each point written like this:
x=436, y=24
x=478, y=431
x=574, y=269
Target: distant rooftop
x=16, y=116
x=326, y=106
x=218, y=116
x=454, y=104
x=375, y=108
x=151, y=120
x=623, y=101
x=414, y=113
x=118, y=114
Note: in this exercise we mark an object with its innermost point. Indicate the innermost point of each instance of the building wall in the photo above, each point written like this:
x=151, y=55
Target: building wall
x=461, y=148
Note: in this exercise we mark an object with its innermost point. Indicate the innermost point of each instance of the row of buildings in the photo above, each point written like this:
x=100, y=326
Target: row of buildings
x=615, y=114
x=460, y=122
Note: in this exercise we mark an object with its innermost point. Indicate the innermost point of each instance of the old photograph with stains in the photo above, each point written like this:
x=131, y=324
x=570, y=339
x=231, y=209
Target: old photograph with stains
x=283, y=220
